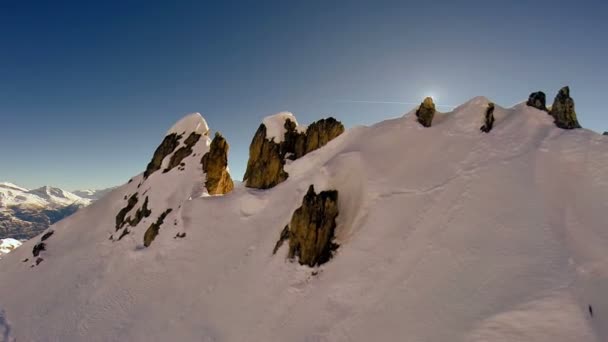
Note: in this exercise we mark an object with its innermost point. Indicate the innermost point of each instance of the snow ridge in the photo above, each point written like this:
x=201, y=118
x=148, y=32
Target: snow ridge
x=445, y=233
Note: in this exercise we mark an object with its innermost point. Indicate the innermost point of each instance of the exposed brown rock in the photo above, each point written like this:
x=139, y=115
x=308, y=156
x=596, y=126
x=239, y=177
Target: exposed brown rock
x=267, y=158
x=215, y=166
x=183, y=152
x=538, y=100
x=154, y=228
x=169, y=144
x=488, y=119
x=426, y=112
x=312, y=228
x=265, y=165
x=563, y=110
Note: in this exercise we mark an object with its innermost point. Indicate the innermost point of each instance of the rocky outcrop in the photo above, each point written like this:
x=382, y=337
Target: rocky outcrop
x=169, y=144
x=605, y=133
x=563, y=110
x=488, y=119
x=267, y=157
x=538, y=100
x=318, y=134
x=183, y=152
x=265, y=165
x=426, y=112
x=215, y=166
x=154, y=228
x=121, y=216
x=312, y=229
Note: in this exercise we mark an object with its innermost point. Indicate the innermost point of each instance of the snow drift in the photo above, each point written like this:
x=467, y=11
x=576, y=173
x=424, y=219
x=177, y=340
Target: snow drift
x=446, y=234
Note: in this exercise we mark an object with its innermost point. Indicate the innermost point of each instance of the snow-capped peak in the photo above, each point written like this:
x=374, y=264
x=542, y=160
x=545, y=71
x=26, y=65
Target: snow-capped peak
x=193, y=122
x=8, y=185
x=275, y=125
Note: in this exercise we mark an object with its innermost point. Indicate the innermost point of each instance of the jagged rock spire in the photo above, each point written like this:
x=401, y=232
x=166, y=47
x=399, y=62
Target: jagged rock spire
x=267, y=155
x=312, y=228
x=426, y=112
x=563, y=110
x=215, y=165
x=538, y=100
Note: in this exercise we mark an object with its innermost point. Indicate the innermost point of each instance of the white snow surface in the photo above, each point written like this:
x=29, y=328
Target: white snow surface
x=8, y=245
x=92, y=194
x=275, y=125
x=445, y=234
x=193, y=122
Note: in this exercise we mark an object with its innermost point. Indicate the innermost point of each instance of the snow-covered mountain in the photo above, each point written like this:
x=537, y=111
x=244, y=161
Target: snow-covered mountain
x=8, y=245
x=443, y=233
x=92, y=194
x=25, y=213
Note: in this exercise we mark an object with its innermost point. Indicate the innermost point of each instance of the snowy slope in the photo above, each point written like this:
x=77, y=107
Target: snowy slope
x=445, y=233
x=92, y=194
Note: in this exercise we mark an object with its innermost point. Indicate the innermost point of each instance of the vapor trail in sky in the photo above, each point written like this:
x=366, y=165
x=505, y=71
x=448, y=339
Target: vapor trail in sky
x=395, y=102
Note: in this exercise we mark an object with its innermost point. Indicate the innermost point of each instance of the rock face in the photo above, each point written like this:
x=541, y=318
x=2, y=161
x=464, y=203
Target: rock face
x=169, y=144
x=426, y=112
x=267, y=157
x=538, y=100
x=183, y=151
x=488, y=119
x=312, y=228
x=605, y=133
x=317, y=135
x=563, y=110
x=215, y=165
x=154, y=228
x=265, y=165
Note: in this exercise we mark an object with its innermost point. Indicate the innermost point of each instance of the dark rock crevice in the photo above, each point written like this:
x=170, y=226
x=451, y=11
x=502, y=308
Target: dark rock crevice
x=154, y=228
x=312, y=229
x=215, y=166
x=120, y=217
x=488, y=119
x=183, y=152
x=166, y=147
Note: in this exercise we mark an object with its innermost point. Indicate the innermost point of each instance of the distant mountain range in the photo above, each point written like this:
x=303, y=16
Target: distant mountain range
x=24, y=213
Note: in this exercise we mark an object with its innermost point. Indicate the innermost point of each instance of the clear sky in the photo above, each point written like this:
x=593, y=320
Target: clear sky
x=88, y=89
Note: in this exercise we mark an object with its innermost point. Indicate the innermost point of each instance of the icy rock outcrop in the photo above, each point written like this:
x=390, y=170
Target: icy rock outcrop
x=312, y=228
x=488, y=119
x=154, y=228
x=215, y=165
x=265, y=165
x=318, y=134
x=183, y=151
x=169, y=144
x=563, y=110
x=538, y=100
x=426, y=112
x=267, y=152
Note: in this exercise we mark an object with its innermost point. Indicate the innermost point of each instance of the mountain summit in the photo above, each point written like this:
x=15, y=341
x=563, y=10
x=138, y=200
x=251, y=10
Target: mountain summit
x=398, y=231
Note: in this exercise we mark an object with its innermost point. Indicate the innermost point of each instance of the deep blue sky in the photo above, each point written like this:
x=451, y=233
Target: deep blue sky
x=88, y=89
